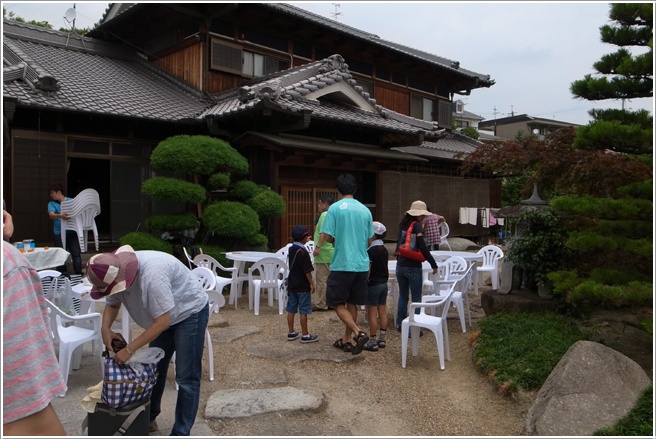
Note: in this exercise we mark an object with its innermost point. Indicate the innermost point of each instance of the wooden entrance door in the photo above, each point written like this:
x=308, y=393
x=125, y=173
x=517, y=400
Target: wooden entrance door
x=302, y=208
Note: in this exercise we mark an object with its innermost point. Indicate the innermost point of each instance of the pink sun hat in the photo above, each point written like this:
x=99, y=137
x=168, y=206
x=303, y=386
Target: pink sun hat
x=111, y=273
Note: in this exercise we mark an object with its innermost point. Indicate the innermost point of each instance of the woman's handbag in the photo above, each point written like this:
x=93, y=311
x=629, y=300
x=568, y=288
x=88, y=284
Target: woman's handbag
x=130, y=382
x=409, y=248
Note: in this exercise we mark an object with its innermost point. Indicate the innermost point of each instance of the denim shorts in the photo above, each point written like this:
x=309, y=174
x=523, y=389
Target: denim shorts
x=299, y=303
x=377, y=295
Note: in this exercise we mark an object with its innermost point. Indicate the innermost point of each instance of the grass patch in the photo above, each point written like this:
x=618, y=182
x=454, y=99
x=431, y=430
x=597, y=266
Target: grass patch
x=519, y=350
x=638, y=422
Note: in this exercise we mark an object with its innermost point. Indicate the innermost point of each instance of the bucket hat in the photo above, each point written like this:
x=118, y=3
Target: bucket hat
x=111, y=273
x=418, y=208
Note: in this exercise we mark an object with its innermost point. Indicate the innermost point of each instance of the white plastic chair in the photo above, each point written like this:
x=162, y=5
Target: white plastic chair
x=70, y=337
x=267, y=273
x=412, y=325
x=58, y=289
x=189, y=260
x=206, y=277
x=491, y=256
x=82, y=210
x=47, y=277
x=203, y=260
x=444, y=232
x=284, y=251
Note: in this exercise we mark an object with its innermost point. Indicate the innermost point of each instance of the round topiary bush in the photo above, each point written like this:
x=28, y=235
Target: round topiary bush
x=230, y=219
x=145, y=241
x=245, y=189
x=174, y=223
x=218, y=181
x=267, y=203
x=173, y=189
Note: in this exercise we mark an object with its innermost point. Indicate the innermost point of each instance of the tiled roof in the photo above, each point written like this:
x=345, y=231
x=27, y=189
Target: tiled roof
x=77, y=78
x=444, y=148
x=288, y=90
x=334, y=25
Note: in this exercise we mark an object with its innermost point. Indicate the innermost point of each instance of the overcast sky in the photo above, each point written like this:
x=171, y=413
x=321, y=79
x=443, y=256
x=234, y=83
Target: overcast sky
x=532, y=50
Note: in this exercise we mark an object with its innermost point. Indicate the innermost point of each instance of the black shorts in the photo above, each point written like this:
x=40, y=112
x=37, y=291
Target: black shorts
x=346, y=287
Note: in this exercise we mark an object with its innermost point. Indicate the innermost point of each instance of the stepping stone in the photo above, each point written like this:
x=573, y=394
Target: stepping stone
x=242, y=403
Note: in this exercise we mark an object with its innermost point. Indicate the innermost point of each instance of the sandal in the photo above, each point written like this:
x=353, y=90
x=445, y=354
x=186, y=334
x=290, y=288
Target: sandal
x=346, y=347
x=360, y=341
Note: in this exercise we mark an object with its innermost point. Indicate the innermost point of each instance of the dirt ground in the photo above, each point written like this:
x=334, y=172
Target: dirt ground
x=375, y=396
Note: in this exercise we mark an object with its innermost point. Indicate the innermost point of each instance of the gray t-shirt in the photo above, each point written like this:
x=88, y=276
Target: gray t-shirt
x=163, y=284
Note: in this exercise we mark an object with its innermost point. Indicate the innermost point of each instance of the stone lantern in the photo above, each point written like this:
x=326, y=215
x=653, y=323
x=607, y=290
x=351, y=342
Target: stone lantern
x=511, y=276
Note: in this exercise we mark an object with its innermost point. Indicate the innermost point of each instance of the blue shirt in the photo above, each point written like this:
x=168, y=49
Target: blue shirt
x=55, y=206
x=351, y=224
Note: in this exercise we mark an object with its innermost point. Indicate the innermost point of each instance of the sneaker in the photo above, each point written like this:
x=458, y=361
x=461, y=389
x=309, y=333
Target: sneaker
x=309, y=338
x=152, y=427
x=293, y=336
x=372, y=345
x=381, y=339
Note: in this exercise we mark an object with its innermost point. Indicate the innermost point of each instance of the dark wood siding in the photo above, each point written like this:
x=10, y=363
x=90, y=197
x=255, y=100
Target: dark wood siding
x=38, y=163
x=392, y=99
x=186, y=65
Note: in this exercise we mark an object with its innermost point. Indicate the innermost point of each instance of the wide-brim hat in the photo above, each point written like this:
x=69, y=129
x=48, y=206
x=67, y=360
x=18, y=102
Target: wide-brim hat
x=418, y=208
x=111, y=273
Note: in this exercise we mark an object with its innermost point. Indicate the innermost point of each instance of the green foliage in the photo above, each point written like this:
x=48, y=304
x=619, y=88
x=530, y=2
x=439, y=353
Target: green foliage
x=173, y=223
x=198, y=155
x=639, y=189
x=505, y=348
x=231, y=219
x=268, y=204
x=633, y=293
x=218, y=181
x=621, y=75
x=145, y=241
x=638, y=422
x=246, y=189
x=470, y=132
x=173, y=189
x=541, y=248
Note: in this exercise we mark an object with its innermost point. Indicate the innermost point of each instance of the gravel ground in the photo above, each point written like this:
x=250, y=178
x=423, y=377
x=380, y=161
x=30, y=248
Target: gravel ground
x=374, y=396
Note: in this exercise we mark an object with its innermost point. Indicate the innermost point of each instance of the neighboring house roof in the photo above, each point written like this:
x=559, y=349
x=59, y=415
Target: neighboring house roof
x=524, y=118
x=469, y=115
x=444, y=148
x=324, y=90
x=73, y=73
x=480, y=80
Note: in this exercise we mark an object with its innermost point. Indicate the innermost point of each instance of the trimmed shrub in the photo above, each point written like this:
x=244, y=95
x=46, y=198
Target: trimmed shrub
x=231, y=219
x=173, y=189
x=145, y=241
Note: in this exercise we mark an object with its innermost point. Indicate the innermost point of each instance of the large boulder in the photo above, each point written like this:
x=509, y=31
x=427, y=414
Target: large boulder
x=591, y=387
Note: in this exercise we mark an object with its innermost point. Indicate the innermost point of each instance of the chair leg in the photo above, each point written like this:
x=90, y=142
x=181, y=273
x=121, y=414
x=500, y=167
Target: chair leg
x=210, y=353
x=461, y=313
x=415, y=331
x=439, y=337
x=495, y=279
x=404, y=343
x=256, y=299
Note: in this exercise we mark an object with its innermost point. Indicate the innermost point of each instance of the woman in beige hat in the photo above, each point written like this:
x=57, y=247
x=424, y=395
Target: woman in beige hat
x=409, y=272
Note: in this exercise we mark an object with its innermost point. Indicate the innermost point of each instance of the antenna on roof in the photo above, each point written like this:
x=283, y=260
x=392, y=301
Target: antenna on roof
x=336, y=13
x=70, y=15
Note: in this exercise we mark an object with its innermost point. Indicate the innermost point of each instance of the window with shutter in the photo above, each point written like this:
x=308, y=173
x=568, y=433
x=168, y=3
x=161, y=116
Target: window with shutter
x=226, y=57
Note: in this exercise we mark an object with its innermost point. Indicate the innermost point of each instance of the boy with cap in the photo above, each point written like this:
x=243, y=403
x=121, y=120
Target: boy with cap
x=377, y=292
x=300, y=285
x=165, y=298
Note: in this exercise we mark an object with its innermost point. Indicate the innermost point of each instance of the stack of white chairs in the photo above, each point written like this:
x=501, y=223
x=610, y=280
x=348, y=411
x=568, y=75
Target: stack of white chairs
x=82, y=211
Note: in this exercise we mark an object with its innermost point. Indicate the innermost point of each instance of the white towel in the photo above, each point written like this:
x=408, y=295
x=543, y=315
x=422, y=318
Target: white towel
x=473, y=215
x=464, y=216
x=500, y=221
x=485, y=219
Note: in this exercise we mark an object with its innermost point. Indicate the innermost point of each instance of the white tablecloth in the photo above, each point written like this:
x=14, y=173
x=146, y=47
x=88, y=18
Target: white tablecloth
x=41, y=258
